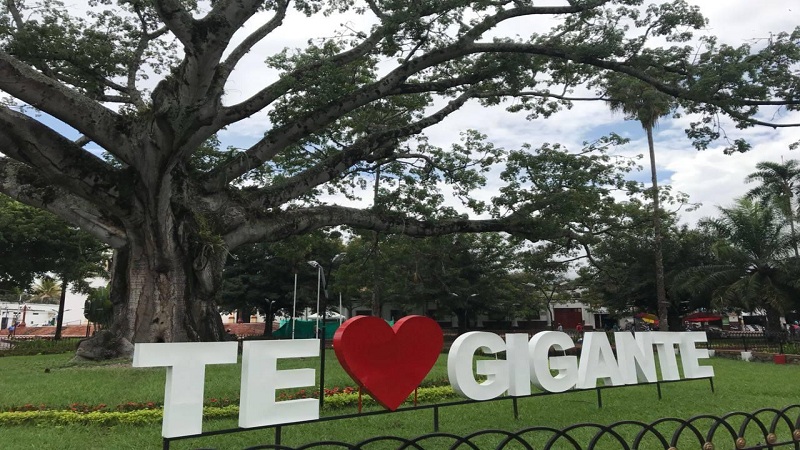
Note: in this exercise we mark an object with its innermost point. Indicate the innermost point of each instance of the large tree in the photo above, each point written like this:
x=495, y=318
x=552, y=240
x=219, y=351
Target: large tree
x=640, y=101
x=146, y=81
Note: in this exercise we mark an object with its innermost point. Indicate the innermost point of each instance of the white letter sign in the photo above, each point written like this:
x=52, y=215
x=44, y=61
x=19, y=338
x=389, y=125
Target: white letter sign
x=186, y=373
x=459, y=366
x=567, y=366
x=261, y=377
x=635, y=355
x=597, y=361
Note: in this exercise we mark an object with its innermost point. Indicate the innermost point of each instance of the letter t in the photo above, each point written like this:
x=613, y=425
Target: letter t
x=186, y=373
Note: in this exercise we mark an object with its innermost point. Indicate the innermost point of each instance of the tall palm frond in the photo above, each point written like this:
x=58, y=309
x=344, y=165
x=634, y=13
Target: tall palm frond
x=779, y=183
x=755, y=269
x=47, y=290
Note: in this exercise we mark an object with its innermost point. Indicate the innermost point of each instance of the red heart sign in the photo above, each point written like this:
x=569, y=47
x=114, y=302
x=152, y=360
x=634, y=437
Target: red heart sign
x=389, y=363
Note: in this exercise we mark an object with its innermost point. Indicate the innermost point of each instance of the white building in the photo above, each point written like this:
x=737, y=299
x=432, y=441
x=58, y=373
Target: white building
x=32, y=314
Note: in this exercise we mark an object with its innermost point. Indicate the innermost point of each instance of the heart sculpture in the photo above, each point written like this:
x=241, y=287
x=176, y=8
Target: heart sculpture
x=388, y=362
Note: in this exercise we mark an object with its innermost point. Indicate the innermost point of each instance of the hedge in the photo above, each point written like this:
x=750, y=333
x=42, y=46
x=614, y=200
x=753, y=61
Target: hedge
x=96, y=416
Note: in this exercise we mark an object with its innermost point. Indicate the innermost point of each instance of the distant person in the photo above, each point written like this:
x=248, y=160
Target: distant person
x=11, y=331
x=560, y=328
x=579, y=328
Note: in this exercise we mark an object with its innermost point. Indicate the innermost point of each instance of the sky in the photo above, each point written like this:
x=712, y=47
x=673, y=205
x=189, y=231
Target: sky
x=708, y=177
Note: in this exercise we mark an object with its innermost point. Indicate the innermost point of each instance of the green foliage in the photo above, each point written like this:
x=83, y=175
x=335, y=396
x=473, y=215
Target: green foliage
x=81, y=414
x=461, y=274
x=622, y=276
x=256, y=275
x=34, y=242
x=98, y=308
x=753, y=268
x=46, y=290
x=29, y=347
x=779, y=185
x=96, y=418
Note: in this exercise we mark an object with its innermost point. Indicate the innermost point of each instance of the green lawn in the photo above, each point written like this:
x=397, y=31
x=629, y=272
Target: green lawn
x=740, y=386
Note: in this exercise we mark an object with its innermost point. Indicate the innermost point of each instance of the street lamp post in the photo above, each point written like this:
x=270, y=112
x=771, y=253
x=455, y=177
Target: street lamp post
x=321, y=335
x=322, y=306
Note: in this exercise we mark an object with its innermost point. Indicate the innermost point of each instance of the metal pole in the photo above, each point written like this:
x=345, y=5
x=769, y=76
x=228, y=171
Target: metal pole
x=599, y=398
x=324, y=285
x=319, y=287
x=341, y=316
x=294, y=305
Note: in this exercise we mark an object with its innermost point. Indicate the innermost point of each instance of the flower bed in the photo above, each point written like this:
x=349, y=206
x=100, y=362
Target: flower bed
x=141, y=413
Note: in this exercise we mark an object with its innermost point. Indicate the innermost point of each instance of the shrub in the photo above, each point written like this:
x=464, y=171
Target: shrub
x=30, y=347
x=137, y=413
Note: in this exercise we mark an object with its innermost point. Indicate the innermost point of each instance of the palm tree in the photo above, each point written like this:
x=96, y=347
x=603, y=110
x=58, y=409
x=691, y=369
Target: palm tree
x=47, y=290
x=754, y=268
x=640, y=101
x=778, y=183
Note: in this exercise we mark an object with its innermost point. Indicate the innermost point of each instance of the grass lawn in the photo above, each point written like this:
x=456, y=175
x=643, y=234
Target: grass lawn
x=740, y=386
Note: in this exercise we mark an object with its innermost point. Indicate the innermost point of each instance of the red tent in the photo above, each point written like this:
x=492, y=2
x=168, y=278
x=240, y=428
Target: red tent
x=702, y=317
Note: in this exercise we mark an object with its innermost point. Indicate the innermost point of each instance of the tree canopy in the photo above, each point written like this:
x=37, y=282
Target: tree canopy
x=753, y=268
x=147, y=82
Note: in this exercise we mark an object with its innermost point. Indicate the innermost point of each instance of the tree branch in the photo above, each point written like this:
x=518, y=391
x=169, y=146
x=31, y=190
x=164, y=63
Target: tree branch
x=100, y=124
x=15, y=14
x=23, y=184
x=81, y=141
x=492, y=21
x=57, y=158
x=382, y=143
x=750, y=120
x=282, y=224
x=177, y=19
x=544, y=94
x=626, y=68
x=269, y=94
x=226, y=68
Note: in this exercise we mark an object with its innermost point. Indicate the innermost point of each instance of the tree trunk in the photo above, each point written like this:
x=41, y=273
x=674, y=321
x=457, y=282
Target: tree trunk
x=661, y=291
x=793, y=233
x=60, y=316
x=269, y=317
x=377, y=305
x=773, y=319
x=163, y=284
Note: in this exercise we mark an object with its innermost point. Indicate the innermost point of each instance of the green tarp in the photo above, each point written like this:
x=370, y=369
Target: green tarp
x=304, y=329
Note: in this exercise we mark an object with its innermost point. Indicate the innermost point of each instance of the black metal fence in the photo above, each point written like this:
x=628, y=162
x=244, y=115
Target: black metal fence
x=767, y=428
x=761, y=341
x=436, y=410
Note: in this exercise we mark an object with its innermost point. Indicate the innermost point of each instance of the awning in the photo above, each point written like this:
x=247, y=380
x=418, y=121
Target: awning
x=702, y=317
